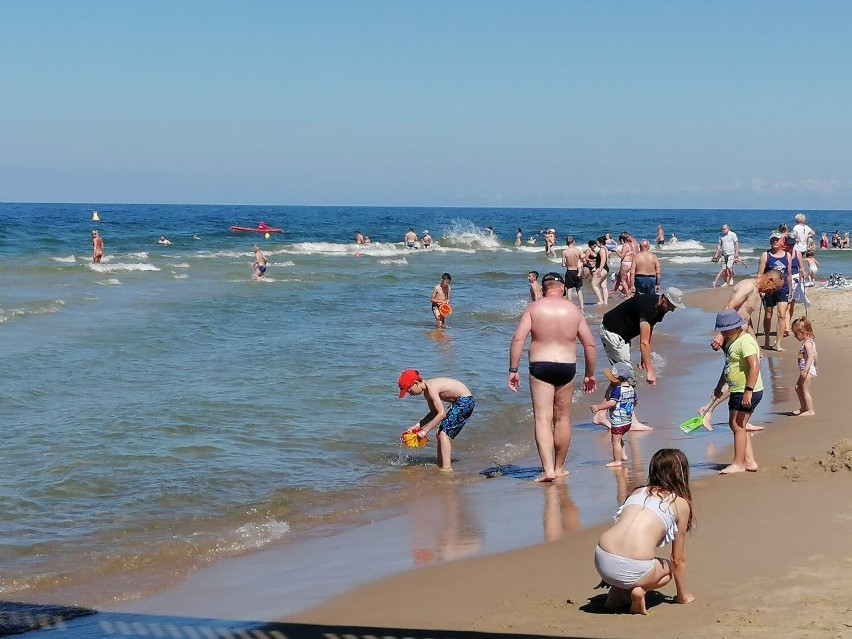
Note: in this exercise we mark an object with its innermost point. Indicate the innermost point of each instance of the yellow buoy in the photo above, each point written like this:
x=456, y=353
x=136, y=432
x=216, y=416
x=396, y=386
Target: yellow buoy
x=95, y=217
x=266, y=236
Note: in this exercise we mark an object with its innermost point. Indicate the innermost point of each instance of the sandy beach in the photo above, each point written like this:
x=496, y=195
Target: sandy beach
x=770, y=555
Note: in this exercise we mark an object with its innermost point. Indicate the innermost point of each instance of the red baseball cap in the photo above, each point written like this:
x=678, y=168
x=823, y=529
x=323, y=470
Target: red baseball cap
x=406, y=380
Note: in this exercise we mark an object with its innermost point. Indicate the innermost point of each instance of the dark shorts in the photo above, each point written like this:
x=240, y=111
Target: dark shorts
x=573, y=279
x=770, y=300
x=554, y=373
x=646, y=283
x=620, y=430
x=457, y=416
x=261, y=269
x=735, y=402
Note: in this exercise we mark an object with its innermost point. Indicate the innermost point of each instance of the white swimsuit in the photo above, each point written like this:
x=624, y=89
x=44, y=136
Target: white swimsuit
x=624, y=572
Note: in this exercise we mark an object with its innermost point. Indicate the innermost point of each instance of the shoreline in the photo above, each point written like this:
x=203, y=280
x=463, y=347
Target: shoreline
x=743, y=540
x=755, y=567
x=445, y=518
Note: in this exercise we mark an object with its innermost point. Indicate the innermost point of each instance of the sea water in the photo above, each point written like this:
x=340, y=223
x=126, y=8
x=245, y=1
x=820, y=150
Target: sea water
x=163, y=410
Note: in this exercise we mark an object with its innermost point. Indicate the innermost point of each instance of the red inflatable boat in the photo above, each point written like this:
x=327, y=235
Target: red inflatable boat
x=261, y=228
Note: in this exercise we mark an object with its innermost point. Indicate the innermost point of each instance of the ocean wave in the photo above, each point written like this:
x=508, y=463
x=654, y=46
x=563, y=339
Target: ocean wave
x=256, y=535
x=141, y=255
x=38, y=309
x=182, y=265
x=687, y=259
x=180, y=276
x=71, y=259
x=682, y=246
x=287, y=263
x=122, y=266
x=465, y=233
x=110, y=282
x=401, y=260
x=377, y=249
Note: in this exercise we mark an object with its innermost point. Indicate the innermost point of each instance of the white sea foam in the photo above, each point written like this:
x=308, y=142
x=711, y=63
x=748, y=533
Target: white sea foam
x=687, y=259
x=256, y=535
x=44, y=309
x=71, y=259
x=466, y=234
x=683, y=246
x=180, y=276
x=399, y=261
x=110, y=282
x=141, y=255
x=182, y=265
x=122, y=266
x=287, y=263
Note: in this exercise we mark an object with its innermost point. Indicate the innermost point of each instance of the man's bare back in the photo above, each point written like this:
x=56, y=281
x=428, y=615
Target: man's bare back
x=745, y=298
x=646, y=263
x=554, y=326
x=571, y=258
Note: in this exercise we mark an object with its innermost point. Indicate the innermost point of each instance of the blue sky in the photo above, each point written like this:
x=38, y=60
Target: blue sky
x=428, y=103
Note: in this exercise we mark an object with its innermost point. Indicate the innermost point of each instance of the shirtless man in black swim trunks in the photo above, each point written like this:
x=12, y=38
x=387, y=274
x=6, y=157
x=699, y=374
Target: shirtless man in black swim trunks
x=571, y=259
x=555, y=324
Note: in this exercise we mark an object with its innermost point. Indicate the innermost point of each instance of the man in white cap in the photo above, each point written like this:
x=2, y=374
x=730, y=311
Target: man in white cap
x=636, y=317
x=427, y=239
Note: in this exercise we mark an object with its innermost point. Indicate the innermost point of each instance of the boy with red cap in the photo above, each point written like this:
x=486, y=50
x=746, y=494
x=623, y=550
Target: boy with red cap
x=449, y=421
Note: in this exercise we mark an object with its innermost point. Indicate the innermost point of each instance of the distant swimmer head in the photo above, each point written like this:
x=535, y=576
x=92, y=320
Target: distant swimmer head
x=255, y=248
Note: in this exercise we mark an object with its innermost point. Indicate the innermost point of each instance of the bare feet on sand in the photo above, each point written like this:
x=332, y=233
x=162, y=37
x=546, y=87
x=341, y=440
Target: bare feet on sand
x=637, y=426
x=637, y=601
x=614, y=464
x=802, y=412
x=752, y=428
x=601, y=420
x=736, y=468
x=617, y=598
x=544, y=477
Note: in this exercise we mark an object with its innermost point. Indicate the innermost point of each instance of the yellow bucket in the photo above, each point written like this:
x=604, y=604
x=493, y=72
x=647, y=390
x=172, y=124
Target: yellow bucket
x=413, y=440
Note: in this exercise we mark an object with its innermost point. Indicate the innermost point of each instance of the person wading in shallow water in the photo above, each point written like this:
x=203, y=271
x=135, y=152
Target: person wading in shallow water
x=555, y=324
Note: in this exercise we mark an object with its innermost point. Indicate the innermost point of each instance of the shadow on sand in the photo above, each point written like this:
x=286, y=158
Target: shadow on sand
x=45, y=621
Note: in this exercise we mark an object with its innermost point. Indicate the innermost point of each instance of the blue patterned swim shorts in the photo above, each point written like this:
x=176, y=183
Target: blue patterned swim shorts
x=457, y=416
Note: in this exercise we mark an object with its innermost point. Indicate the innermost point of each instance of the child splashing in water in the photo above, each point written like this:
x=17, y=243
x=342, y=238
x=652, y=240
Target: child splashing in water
x=807, y=361
x=653, y=515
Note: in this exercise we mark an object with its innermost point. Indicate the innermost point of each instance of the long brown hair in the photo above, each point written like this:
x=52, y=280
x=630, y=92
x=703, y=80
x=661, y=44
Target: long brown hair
x=669, y=472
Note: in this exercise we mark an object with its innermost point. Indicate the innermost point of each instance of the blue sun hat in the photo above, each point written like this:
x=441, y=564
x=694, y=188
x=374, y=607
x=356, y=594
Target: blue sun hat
x=728, y=320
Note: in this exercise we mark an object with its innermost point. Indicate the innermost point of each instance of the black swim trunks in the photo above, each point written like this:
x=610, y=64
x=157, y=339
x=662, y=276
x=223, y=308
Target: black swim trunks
x=573, y=279
x=554, y=373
